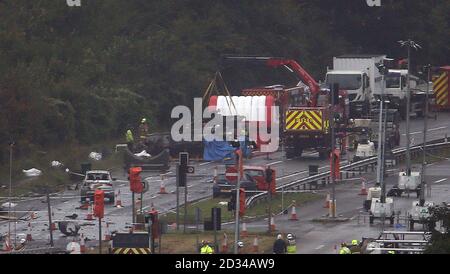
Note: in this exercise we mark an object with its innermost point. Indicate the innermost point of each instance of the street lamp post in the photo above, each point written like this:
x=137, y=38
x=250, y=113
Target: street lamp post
x=425, y=128
x=410, y=44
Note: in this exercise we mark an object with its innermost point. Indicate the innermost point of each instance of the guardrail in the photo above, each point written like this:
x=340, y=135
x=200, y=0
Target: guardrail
x=352, y=168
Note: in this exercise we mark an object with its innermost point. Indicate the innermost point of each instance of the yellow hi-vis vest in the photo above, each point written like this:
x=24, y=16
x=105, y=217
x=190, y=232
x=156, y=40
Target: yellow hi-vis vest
x=344, y=250
x=129, y=136
x=206, y=250
x=292, y=248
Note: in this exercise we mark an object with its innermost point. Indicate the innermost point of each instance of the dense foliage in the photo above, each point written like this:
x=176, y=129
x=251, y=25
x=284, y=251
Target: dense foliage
x=84, y=74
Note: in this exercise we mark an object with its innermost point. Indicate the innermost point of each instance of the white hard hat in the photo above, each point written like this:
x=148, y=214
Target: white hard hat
x=290, y=236
x=240, y=244
x=279, y=236
x=22, y=241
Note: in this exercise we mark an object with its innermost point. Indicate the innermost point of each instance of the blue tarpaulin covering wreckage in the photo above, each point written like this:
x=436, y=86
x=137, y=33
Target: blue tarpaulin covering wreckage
x=222, y=150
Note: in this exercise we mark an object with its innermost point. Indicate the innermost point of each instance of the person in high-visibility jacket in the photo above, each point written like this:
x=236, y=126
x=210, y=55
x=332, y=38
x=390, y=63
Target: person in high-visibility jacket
x=206, y=249
x=355, y=248
x=344, y=249
x=130, y=139
x=292, y=245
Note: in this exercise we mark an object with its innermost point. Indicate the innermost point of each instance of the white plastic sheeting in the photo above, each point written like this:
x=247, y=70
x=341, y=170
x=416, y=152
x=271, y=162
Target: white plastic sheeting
x=253, y=108
x=32, y=172
x=56, y=164
x=95, y=155
x=143, y=154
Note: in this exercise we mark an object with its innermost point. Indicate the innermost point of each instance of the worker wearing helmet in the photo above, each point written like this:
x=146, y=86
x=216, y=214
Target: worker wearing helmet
x=240, y=245
x=143, y=130
x=291, y=244
x=344, y=249
x=206, y=249
x=355, y=248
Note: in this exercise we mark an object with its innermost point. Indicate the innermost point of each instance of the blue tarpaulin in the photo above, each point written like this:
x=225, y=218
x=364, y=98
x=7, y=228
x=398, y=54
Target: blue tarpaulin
x=217, y=151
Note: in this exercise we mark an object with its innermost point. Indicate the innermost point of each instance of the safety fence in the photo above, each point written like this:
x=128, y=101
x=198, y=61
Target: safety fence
x=352, y=169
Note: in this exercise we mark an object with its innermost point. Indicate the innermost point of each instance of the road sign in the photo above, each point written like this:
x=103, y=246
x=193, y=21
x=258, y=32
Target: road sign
x=231, y=173
x=190, y=169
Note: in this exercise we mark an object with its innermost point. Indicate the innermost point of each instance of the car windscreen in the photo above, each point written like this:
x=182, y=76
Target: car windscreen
x=254, y=172
x=97, y=177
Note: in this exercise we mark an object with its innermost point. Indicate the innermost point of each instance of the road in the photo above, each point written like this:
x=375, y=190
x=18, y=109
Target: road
x=119, y=219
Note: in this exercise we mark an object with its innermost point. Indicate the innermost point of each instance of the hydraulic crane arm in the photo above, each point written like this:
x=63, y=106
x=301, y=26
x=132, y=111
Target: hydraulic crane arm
x=275, y=62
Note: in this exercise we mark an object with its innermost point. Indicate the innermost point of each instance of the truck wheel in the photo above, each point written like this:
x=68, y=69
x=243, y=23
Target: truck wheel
x=371, y=220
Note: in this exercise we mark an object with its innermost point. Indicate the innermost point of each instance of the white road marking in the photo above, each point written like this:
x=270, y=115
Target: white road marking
x=274, y=163
x=320, y=246
x=206, y=163
x=417, y=132
x=439, y=181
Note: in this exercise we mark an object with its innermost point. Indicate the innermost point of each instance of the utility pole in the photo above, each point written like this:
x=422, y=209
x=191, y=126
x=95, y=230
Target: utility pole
x=425, y=128
x=50, y=219
x=100, y=235
x=11, y=144
x=236, y=210
x=269, y=192
x=178, y=198
x=381, y=139
x=334, y=88
x=185, y=208
x=410, y=44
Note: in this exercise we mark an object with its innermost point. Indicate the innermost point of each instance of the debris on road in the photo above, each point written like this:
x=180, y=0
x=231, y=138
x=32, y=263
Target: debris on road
x=33, y=172
x=95, y=155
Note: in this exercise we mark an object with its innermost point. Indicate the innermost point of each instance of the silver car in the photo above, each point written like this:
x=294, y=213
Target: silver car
x=97, y=179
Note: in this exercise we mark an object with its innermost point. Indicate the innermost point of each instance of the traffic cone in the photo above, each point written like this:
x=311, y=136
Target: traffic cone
x=108, y=233
x=293, y=214
x=118, y=200
x=244, y=230
x=7, y=244
x=255, y=244
x=162, y=187
x=89, y=216
x=272, y=224
x=363, y=188
x=29, y=237
x=327, y=201
x=82, y=244
x=225, y=243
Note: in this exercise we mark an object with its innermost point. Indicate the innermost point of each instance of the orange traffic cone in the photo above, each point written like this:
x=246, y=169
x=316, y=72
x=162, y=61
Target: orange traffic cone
x=82, y=244
x=225, y=243
x=108, y=233
x=29, y=237
x=118, y=200
x=327, y=201
x=293, y=214
x=272, y=224
x=7, y=244
x=89, y=216
x=363, y=188
x=162, y=187
x=255, y=244
x=244, y=230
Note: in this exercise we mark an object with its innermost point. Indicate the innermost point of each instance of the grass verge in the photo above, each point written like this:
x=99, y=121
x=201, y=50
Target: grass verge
x=259, y=210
